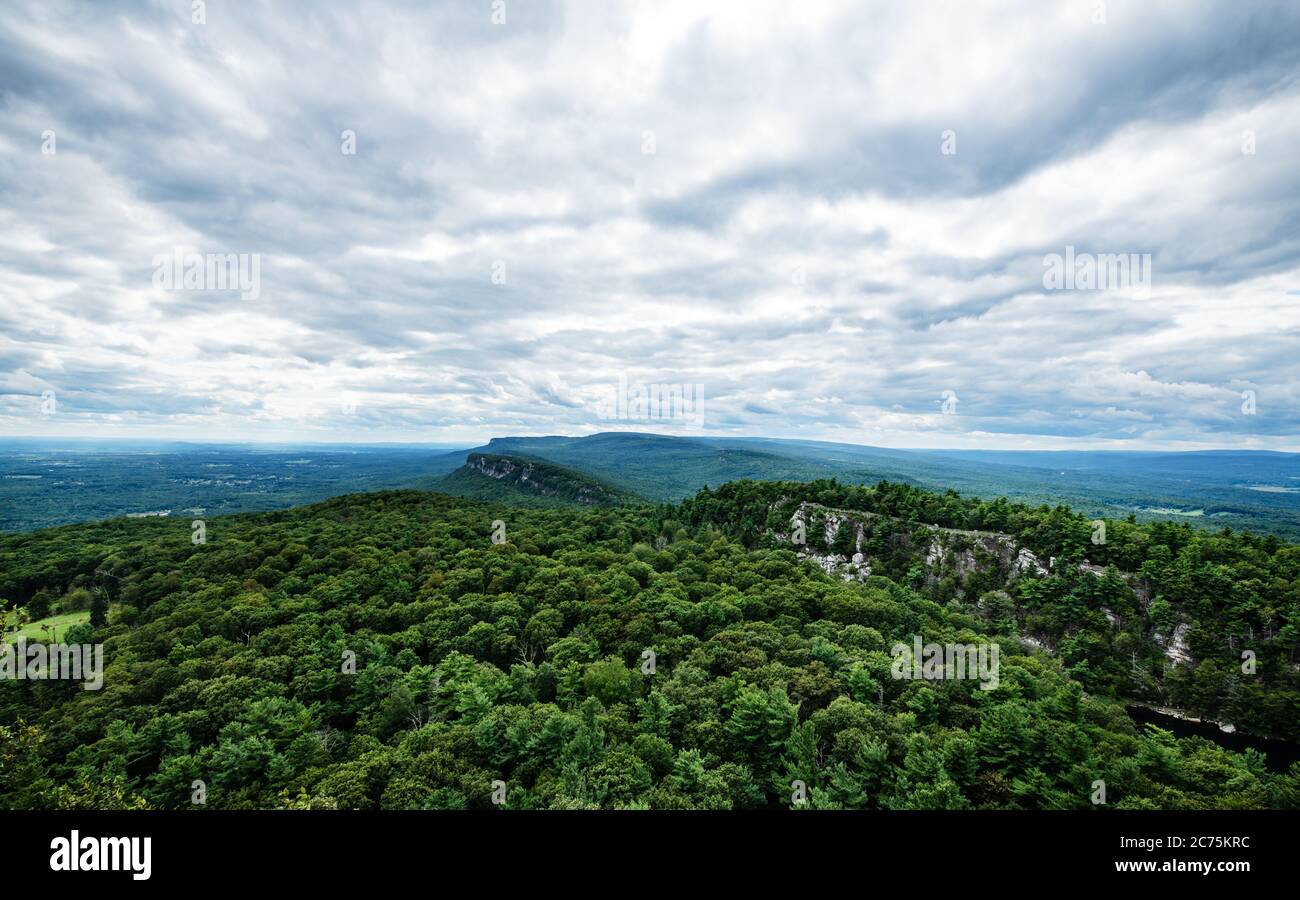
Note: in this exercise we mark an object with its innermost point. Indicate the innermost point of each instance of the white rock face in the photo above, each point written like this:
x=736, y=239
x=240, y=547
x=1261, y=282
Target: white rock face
x=827, y=563
x=1175, y=647
x=1026, y=561
x=835, y=565
x=958, y=553
x=950, y=551
x=854, y=569
x=933, y=553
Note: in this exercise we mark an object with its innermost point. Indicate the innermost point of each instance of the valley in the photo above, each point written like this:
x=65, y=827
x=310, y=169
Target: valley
x=45, y=482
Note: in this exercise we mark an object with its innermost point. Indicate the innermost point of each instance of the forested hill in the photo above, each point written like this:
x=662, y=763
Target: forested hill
x=380, y=650
x=45, y=482
x=1160, y=612
x=1255, y=491
x=530, y=482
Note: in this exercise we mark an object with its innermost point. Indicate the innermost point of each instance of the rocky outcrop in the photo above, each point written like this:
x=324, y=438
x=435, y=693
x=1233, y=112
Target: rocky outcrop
x=853, y=567
x=970, y=559
x=542, y=479
x=1175, y=646
x=1026, y=561
x=949, y=552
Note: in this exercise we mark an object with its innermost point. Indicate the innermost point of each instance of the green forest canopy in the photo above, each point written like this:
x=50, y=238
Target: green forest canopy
x=525, y=662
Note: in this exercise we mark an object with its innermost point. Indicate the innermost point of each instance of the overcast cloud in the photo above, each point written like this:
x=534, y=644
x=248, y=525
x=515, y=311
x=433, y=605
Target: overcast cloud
x=755, y=199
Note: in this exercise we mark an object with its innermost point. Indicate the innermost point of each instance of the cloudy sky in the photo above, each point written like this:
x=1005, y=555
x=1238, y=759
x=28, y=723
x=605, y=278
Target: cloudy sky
x=826, y=215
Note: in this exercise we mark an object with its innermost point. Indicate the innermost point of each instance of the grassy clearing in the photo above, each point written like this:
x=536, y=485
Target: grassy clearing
x=58, y=626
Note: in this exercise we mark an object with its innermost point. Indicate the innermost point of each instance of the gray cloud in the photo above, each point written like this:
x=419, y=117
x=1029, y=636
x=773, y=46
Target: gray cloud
x=750, y=197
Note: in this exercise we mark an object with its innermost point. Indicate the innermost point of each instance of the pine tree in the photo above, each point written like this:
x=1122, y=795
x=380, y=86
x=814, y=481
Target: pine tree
x=99, y=610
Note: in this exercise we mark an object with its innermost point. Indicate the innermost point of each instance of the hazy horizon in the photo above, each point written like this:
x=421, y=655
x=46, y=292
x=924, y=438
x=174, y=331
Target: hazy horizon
x=475, y=442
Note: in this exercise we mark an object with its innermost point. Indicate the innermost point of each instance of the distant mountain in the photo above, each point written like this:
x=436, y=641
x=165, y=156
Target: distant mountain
x=52, y=482
x=663, y=467
x=1253, y=490
x=529, y=482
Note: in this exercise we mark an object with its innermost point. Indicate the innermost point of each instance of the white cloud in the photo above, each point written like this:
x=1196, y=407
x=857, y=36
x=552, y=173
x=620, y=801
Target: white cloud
x=796, y=241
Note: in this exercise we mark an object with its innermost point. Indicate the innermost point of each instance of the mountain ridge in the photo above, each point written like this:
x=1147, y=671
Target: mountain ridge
x=1244, y=489
x=530, y=481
